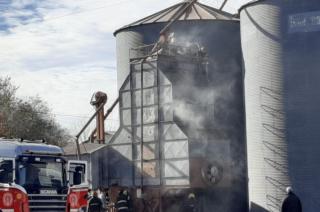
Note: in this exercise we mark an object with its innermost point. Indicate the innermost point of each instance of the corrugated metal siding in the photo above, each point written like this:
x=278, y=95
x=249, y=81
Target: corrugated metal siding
x=281, y=47
x=223, y=125
x=302, y=85
x=197, y=11
x=125, y=41
x=266, y=140
x=219, y=37
x=97, y=167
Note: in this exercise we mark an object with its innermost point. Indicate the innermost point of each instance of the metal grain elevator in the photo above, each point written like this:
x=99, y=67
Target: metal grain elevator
x=181, y=111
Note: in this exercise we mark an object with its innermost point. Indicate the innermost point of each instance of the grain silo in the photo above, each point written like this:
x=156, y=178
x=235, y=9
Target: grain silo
x=189, y=136
x=218, y=31
x=280, y=43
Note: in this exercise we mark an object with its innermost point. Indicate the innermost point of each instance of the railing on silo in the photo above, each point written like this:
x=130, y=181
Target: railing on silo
x=193, y=50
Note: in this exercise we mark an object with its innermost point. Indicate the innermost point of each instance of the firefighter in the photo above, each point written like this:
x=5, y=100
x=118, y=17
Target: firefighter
x=189, y=205
x=89, y=194
x=95, y=204
x=104, y=196
x=123, y=203
x=107, y=198
x=292, y=202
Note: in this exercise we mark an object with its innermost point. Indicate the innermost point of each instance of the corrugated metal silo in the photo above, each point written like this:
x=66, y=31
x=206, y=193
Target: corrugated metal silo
x=126, y=41
x=266, y=141
x=218, y=31
x=193, y=120
x=280, y=43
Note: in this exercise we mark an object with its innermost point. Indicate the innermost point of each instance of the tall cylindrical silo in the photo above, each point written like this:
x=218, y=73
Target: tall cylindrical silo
x=261, y=39
x=218, y=31
x=280, y=44
x=302, y=101
x=126, y=41
x=207, y=109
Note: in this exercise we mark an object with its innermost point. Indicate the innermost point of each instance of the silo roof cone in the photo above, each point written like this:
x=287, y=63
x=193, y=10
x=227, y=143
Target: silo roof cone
x=196, y=11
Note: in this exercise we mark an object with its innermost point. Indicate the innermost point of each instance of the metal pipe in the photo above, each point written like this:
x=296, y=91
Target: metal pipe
x=100, y=127
x=78, y=149
x=223, y=4
x=159, y=140
x=106, y=115
x=132, y=123
x=141, y=126
x=175, y=17
x=179, y=14
x=97, y=99
x=85, y=127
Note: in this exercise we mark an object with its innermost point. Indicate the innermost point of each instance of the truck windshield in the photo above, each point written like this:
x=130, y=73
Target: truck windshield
x=38, y=175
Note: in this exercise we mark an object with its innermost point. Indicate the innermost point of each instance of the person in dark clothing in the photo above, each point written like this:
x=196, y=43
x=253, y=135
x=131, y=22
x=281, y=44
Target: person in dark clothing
x=89, y=194
x=189, y=205
x=291, y=203
x=123, y=203
x=107, y=198
x=95, y=203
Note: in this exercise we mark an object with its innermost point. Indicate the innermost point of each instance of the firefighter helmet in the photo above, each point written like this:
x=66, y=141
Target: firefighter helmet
x=191, y=196
x=289, y=189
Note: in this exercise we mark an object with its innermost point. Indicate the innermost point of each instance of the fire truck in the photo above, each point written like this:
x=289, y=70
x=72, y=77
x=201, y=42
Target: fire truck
x=35, y=176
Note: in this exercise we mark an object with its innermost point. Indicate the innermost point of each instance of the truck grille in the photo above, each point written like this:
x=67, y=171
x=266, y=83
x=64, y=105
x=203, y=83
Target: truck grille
x=47, y=203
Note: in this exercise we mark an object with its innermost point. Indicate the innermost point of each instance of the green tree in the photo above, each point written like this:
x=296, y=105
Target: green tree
x=29, y=119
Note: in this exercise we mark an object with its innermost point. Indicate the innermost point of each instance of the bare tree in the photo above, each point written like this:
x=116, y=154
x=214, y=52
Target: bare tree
x=28, y=119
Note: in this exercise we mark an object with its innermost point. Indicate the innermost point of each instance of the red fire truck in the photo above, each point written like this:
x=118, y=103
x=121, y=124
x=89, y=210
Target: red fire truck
x=35, y=176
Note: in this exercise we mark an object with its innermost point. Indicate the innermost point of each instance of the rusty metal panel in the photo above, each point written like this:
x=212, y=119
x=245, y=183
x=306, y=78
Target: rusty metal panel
x=150, y=151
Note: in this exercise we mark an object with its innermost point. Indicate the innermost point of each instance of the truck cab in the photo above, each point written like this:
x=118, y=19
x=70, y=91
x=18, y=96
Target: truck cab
x=42, y=177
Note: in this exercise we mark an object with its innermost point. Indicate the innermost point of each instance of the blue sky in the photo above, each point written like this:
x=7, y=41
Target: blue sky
x=64, y=50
